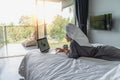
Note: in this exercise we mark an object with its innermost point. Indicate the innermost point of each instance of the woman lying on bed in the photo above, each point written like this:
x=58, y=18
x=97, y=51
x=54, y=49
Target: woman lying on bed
x=80, y=46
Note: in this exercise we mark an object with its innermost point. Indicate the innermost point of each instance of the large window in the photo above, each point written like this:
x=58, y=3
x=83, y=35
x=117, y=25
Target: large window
x=17, y=18
x=2, y=51
x=52, y=20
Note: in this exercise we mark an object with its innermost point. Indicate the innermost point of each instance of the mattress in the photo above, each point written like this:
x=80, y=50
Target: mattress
x=50, y=66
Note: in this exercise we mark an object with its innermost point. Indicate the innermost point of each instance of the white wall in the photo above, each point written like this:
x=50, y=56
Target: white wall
x=99, y=7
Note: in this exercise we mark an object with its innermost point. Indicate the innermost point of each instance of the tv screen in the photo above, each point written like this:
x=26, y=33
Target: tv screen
x=101, y=22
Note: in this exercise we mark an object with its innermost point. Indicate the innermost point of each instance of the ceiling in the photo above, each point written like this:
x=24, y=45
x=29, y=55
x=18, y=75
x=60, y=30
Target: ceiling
x=65, y=3
x=53, y=0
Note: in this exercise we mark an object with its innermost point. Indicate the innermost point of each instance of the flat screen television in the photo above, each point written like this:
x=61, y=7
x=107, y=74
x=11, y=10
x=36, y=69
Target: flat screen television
x=101, y=22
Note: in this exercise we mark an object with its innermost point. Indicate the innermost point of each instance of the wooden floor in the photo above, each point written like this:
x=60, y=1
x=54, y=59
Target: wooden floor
x=9, y=65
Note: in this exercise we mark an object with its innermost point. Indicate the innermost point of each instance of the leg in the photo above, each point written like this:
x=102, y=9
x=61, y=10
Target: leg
x=108, y=53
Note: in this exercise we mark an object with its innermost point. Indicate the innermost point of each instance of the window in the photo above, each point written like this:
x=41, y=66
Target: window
x=53, y=20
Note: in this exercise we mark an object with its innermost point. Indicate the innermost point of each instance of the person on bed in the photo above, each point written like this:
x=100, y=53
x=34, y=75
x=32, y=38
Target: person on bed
x=80, y=46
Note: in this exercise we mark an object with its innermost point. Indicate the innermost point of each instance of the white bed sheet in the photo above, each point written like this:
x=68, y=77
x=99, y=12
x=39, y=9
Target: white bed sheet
x=38, y=66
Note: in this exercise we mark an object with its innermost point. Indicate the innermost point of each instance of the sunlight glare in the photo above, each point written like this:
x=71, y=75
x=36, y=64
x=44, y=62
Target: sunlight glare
x=12, y=10
x=48, y=11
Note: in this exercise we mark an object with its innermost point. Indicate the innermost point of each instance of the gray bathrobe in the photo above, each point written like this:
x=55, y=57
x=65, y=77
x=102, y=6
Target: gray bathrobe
x=101, y=52
x=80, y=46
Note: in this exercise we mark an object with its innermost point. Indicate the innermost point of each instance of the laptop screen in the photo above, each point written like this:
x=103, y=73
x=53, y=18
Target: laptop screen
x=43, y=44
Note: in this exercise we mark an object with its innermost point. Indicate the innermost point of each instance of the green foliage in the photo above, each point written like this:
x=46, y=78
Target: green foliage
x=26, y=21
x=1, y=37
x=57, y=28
x=21, y=32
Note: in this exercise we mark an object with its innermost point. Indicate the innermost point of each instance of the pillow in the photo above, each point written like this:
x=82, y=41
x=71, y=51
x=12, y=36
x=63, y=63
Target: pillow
x=29, y=43
x=32, y=40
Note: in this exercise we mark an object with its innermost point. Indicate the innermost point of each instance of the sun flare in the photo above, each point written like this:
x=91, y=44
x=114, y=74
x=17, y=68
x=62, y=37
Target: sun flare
x=47, y=10
x=12, y=10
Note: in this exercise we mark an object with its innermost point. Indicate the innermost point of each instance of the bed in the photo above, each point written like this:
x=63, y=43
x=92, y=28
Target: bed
x=51, y=66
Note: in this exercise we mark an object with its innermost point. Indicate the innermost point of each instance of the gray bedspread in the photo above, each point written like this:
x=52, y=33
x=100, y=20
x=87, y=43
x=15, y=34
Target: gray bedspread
x=38, y=66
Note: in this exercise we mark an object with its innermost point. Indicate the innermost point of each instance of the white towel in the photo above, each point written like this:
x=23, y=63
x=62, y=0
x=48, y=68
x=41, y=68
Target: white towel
x=76, y=34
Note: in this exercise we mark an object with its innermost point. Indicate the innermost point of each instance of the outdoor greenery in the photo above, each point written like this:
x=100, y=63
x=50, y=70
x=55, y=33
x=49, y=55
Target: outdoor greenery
x=55, y=30
x=18, y=34
x=22, y=31
x=1, y=37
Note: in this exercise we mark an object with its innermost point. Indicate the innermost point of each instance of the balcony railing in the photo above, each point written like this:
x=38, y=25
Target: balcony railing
x=2, y=41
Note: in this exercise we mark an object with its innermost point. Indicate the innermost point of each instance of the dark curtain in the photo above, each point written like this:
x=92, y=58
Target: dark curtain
x=81, y=9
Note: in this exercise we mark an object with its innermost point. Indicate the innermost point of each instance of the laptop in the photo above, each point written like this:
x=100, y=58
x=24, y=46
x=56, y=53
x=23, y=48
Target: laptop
x=43, y=45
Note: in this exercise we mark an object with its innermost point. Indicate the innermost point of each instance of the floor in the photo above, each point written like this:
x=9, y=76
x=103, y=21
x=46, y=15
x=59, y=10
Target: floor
x=10, y=69
x=10, y=63
x=18, y=49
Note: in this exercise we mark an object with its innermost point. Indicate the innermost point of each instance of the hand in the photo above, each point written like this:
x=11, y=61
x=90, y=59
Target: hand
x=66, y=51
x=59, y=50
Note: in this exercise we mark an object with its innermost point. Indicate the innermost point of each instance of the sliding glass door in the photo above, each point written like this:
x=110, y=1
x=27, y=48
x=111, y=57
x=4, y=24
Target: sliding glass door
x=18, y=17
x=52, y=21
x=2, y=41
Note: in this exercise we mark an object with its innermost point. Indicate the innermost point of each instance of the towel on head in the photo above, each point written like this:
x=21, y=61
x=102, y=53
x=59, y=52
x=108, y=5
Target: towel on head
x=76, y=34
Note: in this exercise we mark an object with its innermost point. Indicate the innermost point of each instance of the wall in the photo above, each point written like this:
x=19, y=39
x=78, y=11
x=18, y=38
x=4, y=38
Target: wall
x=98, y=7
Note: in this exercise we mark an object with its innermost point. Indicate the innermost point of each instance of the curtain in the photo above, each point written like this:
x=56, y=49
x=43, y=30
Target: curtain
x=81, y=12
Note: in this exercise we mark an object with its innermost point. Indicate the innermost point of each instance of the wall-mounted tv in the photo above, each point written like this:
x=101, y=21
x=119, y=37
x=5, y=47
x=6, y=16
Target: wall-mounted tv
x=101, y=22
